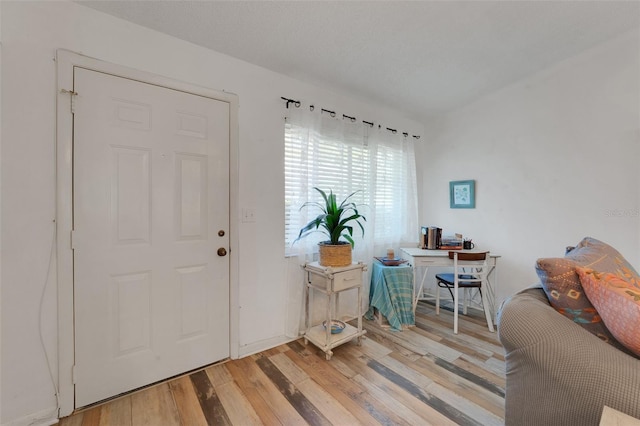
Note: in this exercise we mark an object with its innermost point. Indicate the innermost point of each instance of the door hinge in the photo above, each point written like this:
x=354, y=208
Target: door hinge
x=72, y=96
x=73, y=374
x=71, y=240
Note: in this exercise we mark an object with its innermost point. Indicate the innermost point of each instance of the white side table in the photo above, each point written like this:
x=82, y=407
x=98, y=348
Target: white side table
x=330, y=281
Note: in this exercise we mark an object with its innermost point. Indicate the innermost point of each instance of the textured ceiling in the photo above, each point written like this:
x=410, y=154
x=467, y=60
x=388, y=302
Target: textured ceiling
x=420, y=57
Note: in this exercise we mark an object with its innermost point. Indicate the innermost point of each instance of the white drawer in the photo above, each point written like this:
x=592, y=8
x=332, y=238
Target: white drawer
x=421, y=261
x=332, y=280
x=347, y=279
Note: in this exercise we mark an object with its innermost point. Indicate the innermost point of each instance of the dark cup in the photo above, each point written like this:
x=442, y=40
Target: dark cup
x=467, y=245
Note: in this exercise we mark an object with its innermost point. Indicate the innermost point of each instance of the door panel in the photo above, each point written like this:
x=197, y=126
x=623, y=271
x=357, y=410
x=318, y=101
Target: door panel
x=191, y=193
x=151, y=183
x=131, y=192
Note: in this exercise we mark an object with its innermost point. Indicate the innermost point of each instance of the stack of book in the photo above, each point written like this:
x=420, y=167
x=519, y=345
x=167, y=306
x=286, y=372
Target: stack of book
x=430, y=237
x=451, y=243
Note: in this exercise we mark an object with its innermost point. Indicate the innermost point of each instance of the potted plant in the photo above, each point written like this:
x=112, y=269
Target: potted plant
x=335, y=220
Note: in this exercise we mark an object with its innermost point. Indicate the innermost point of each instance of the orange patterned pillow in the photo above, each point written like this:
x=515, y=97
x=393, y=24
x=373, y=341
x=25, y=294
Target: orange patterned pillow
x=617, y=300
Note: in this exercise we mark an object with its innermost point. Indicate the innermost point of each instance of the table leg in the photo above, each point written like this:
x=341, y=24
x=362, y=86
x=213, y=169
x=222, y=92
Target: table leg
x=491, y=290
x=421, y=288
x=328, y=327
x=359, y=312
x=306, y=310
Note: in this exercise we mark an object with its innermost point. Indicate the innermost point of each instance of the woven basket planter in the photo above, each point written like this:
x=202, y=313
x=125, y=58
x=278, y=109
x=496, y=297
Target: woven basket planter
x=335, y=255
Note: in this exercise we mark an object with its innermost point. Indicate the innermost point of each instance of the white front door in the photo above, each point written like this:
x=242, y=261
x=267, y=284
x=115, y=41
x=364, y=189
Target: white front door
x=150, y=213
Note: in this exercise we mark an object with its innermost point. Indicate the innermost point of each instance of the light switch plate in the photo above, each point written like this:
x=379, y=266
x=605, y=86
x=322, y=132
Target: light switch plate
x=248, y=215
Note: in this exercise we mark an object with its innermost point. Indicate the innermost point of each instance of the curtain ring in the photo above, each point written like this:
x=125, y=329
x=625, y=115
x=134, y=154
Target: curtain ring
x=311, y=107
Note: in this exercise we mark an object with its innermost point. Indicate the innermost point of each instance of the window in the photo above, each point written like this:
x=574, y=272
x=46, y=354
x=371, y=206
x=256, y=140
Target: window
x=347, y=157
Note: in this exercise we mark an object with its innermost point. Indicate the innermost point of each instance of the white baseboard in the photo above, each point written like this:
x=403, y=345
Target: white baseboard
x=263, y=345
x=42, y=418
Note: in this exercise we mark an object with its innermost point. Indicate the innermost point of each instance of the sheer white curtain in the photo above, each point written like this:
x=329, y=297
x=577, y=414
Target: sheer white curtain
x=393, y=190
x=345, y=156
x=327, y=153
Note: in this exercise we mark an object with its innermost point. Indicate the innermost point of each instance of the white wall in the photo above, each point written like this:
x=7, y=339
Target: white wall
x=30, y=33
x=555, y=158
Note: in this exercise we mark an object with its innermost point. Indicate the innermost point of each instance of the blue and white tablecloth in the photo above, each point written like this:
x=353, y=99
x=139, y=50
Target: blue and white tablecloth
x=391, y=292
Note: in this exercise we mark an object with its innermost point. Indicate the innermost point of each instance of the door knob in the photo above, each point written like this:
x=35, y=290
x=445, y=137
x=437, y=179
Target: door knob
x=222, y=251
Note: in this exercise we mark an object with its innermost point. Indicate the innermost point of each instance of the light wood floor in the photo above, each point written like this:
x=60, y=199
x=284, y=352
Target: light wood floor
x=423, y=375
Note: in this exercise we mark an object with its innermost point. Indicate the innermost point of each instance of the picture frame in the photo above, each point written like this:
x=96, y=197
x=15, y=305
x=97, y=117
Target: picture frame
x=462, y=194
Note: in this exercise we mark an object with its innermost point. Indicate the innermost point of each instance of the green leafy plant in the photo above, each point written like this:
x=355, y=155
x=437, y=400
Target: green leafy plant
x=335, y=220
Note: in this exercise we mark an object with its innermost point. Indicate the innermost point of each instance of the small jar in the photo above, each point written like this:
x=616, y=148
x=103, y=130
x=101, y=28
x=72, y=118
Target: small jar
x=390, y=254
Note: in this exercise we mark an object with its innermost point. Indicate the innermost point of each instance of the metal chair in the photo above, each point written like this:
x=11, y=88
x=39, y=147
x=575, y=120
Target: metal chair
x=470, y=270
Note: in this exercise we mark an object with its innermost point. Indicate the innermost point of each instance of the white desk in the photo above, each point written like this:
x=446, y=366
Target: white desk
x=420, y=258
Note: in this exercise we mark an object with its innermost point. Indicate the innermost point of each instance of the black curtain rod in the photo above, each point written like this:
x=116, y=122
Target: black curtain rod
x=333, y=114
x=291, y=101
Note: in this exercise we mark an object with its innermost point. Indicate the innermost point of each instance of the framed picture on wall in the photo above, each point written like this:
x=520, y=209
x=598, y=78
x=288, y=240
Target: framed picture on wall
x=462, y=194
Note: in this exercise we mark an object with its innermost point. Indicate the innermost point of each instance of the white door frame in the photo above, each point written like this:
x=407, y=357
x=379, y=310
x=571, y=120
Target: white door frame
x=66, y=61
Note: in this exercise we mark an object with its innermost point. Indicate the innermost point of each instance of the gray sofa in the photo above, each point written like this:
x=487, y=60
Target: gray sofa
x=557, y=372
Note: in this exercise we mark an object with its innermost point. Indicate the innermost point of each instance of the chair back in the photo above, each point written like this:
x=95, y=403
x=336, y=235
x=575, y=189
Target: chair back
x=472, y=266
x=469, y=256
